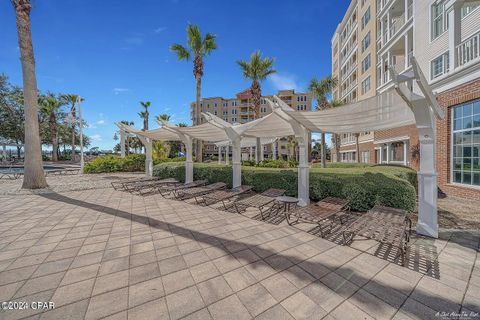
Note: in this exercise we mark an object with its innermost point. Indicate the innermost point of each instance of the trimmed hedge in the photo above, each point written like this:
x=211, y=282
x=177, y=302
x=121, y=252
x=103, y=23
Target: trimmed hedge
x=364, y=188
x=111, y=163
x=130, y=163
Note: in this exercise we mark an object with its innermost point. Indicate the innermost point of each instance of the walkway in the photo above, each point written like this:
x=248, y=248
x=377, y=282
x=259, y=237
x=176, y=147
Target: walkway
x=103, y=253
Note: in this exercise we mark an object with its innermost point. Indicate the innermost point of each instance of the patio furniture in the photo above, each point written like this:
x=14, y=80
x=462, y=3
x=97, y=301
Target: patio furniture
x=121, y=184
x=385, y=225
x=198, y=191
x=148, y=186
x=259, y=201
x=223, y=195
x=320, y=213
x=170, y=188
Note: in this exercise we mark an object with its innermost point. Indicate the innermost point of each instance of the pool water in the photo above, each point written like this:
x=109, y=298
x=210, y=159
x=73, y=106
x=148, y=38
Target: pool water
x=20, y=169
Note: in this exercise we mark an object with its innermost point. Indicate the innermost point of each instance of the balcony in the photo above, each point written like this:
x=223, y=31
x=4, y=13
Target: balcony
x=468, y=50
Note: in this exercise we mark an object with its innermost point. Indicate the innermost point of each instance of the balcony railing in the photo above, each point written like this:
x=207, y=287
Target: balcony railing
x=468, y=50
x=396, y=25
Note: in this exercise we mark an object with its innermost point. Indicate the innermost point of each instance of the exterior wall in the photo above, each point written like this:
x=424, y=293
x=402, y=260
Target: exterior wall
x=397, y=134
x=447, y=101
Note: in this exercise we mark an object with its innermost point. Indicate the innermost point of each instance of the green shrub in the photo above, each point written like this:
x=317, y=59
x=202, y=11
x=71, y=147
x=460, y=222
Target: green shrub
x=111, y=163
x=344, y=165
x=364, y=189
x=268, y=163
x=176, y=159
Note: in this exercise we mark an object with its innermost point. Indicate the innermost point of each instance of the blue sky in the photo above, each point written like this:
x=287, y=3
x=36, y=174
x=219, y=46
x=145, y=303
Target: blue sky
x=116, y=53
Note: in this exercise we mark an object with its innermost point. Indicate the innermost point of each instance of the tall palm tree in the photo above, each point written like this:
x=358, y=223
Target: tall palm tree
x=336, y=137
x=50, y=106
x=72, y=99
x=198, y=47
x=321, y=91
x=34, y=176
x=144, y=114
x=257, y=70
x=127, y=141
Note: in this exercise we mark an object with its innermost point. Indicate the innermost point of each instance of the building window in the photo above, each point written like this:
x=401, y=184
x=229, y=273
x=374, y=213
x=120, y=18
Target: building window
x=234, y=111
x=234, y=103
x=366, y=18
x=397, y=153
x=466, y=143
x=467, y=9
x=366, y=42
x=365, y=157
x=439, y=19
x=366, y=63
x=366, y=85
x=440, y=65
x=363, y=3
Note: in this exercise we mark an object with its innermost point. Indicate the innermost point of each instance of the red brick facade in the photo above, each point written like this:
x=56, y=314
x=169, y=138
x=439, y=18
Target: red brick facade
x=406, y=131
x=447, y=100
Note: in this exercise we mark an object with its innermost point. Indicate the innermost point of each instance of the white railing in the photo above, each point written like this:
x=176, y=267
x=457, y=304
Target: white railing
x=468, y=50
x=397, y=24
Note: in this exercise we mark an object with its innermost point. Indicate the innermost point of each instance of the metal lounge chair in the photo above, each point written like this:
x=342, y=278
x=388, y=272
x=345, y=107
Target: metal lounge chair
x=171, y=188
x=121, y=184
x=223, y=195
x=324, y=211
x=383, y=224
x=260, y=201
x=147, y=185
x=196, y=192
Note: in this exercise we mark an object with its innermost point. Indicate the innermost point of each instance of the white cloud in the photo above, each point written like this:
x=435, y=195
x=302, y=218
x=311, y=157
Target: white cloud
x=160, y=29
x=96, y=137
x=283, y=81
x=118, y=91
x=101, y=121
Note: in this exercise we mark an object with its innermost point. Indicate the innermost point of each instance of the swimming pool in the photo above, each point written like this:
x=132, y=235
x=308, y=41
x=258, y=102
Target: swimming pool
x=20, y=169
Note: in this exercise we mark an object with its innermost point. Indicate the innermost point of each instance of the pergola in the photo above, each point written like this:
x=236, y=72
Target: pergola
x=395, y=107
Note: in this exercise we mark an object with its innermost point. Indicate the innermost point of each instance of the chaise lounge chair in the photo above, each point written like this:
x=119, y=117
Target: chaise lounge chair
x=259, y=201
x=384, y=224
x=223, y=195
x=195, y=192
x=320, y=213
x=122, y=184
x=172, y=188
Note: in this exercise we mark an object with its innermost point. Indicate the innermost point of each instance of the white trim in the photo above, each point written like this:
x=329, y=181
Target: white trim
x=396, y=139
x=467, y=186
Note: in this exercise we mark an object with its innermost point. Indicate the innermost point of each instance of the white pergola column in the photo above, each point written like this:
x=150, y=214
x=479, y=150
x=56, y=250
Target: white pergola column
x=274, y=150
x=303, y=170
x=405, y=152
x=262, y=152
x=148, y=158
x=122, y=143
x=219, y=154
x=188, y=158
x=258, y=150
x=227, y=161
x=236, y=163
x=250, y=155
x=147, y=143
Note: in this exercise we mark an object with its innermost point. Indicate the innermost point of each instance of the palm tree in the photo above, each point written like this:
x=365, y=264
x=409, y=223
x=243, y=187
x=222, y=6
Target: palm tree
x=257, y=70
x=198, y=48
x=72, y=99
x=127, y=142
x=144, y=114
x=50, y=106
x=34, y=176
x=321, y=91
x=164, y=117
x=182, y=125
x=336, y=136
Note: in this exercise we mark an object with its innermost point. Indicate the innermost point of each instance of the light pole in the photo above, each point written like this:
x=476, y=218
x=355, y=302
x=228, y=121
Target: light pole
x=82, y=163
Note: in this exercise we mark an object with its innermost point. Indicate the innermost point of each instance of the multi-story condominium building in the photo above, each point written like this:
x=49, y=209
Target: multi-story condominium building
x=240, y=110
x=444, y=37
x=354, y=59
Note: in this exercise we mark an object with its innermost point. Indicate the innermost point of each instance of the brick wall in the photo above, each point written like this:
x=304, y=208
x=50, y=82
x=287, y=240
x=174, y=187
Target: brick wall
x=447, y=100
x=366, y=146
x=410, y=131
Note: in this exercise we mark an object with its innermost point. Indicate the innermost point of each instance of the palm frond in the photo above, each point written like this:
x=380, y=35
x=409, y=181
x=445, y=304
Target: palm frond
x=194, y=39
x=181, y=52
x=209, y=43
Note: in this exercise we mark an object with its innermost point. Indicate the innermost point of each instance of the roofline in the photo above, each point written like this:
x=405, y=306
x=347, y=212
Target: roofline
x=353, y=3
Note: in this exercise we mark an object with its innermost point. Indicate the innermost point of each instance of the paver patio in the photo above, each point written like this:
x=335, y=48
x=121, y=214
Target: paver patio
x=102, y=253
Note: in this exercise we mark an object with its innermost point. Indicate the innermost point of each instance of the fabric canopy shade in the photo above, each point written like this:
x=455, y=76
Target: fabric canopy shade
x=161, y=134
x=247, y=142
x=384, y=111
